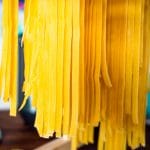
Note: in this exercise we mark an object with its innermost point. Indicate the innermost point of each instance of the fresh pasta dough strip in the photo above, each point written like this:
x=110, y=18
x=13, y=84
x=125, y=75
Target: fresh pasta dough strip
x=92, y=63
x=147, y=12
x=91, y=134
x=53, y=51
x=75, y=68
x=39, y=123
x=82, y=63
x=102, y=136
x=14, y=58
x=104, y=68
x=114, y=63
x=86, y=25
x=9, y=49
x=144, y=73
x=5, y=45
x=98, y=39
x=45, y=74
x=136, y=61
x=88, y=49
x=129, y=56
x=142, y=32
x=121, y=68
x=67, y=66
x=85, y=56
x=108, y=48
x=30, y=50
x=59, y=65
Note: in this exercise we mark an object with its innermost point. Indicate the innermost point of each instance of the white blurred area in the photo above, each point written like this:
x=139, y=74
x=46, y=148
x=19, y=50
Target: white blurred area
x=4, y=106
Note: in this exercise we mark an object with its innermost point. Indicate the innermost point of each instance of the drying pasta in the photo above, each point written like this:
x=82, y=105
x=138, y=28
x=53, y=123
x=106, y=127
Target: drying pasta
x=9, y=61
x=87, y=64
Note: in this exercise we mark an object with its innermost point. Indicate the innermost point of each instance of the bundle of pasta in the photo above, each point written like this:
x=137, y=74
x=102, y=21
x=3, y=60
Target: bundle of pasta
x=9, y=63
x=86, y=62
x=62, y=65
x=128, y=60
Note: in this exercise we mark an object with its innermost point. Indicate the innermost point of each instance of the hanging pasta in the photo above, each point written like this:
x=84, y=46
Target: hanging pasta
x=146, y=36
x=67, y=66
x=86, y=63
x=9, y=61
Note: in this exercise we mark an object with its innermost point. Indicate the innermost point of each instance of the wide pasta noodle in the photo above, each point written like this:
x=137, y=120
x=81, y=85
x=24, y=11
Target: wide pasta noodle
x=9, y=62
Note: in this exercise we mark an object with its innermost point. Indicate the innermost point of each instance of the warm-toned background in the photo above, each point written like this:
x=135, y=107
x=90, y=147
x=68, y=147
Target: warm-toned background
x=18, y=135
